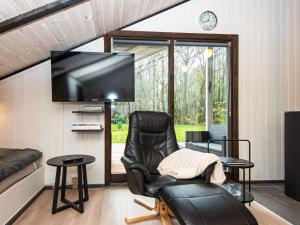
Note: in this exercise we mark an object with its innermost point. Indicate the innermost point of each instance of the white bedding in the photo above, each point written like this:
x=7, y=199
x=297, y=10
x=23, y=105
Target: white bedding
x=187, y=164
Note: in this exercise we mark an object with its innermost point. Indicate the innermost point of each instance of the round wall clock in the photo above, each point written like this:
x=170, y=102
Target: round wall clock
x=208, y=20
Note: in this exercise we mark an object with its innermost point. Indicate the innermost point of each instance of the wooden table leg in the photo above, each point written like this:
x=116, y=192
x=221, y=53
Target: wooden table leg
x=56, y=190
x=85, y=184
x=63, y=184
x=80, y=189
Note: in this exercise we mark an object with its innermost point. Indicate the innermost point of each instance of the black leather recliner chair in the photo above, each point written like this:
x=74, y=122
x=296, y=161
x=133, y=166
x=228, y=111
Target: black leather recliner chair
x=150, y=139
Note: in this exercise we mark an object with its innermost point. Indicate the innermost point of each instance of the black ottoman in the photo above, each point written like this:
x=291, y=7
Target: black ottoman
x=205, y=204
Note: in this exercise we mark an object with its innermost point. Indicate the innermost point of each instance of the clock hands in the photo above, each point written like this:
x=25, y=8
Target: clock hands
x=208, y=20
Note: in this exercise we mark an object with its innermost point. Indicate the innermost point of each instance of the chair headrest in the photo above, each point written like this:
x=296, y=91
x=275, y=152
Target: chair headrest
x=151, y=122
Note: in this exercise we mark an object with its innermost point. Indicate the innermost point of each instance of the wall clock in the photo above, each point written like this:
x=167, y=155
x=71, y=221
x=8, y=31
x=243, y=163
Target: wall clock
x=208, y=20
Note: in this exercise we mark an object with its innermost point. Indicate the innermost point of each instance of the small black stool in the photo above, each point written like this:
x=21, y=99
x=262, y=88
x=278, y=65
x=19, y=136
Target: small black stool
x=82, y=181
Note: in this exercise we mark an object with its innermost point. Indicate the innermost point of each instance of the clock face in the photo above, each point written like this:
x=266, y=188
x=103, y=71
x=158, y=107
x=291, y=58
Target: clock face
x=208, y=20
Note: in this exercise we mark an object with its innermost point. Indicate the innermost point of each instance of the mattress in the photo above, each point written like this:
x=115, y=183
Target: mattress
x=12, y=179
x=16, y=164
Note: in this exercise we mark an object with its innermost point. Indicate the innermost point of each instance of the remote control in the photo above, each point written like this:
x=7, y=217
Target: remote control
x=73, y=159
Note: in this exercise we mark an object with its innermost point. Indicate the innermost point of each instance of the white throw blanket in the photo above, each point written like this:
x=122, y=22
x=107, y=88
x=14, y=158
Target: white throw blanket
x=187, y=164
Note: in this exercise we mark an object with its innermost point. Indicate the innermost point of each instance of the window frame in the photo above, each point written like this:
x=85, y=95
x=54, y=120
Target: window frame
x=231, y=39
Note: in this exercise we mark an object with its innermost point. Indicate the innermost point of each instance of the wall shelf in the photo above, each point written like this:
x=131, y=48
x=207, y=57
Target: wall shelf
x=96, y=129
x=88, y=111
x=89, y=131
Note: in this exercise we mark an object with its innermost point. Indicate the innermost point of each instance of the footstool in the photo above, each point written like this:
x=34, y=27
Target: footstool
x=205, y=204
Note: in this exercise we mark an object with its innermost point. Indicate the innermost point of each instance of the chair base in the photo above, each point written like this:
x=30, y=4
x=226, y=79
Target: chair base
x=160, y=209
x=144, y=203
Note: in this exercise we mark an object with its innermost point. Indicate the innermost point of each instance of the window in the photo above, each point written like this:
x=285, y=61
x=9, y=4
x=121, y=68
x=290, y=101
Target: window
x=200, y=83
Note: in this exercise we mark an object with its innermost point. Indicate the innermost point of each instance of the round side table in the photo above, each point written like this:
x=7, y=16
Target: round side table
x=83, y=194
x=230, y=162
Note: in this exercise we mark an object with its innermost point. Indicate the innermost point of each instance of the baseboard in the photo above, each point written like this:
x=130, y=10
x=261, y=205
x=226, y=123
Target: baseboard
x=26, y=206
x=50, y=187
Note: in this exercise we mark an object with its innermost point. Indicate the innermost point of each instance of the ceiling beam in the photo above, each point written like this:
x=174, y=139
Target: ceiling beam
x=37, y=14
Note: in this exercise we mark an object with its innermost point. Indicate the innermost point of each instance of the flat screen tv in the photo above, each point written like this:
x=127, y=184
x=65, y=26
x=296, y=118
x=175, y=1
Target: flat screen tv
x=92, y=77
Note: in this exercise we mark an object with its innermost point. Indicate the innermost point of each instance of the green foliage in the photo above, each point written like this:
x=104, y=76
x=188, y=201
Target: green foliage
x=119, y=135
x=151, y=88
x=219, y=113
x=119, y=125
x=119, y=119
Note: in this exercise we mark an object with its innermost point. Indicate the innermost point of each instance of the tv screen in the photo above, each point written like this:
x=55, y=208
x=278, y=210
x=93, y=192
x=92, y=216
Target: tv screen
x=89, y=76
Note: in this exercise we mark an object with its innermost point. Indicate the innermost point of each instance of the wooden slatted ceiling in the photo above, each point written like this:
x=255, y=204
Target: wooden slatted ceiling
x=13, y=8
x=65, y=30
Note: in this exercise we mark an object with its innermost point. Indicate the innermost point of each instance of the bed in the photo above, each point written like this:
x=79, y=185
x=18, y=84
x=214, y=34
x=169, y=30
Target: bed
x=21, y=178
x=16, y=164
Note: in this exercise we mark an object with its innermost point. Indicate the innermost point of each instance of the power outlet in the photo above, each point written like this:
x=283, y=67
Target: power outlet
x=74, y=182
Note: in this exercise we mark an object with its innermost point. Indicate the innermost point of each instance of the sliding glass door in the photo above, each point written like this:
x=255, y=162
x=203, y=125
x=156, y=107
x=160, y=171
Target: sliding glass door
x=201, y=87
x=186, y=75
x=151, y=90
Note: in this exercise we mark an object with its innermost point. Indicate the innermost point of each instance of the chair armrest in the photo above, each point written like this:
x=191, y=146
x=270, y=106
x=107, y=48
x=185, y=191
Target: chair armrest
x=132, y=164
x=208, y=172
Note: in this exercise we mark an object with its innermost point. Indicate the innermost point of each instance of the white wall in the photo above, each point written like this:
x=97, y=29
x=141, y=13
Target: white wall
x=269, y=71
x=269, y=80
x=29, y=118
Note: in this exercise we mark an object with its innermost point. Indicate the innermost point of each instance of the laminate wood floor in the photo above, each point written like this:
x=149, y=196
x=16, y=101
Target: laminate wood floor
x=272, y=196
x=108, y=206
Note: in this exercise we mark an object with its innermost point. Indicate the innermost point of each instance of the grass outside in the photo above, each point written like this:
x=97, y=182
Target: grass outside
x=119, y=135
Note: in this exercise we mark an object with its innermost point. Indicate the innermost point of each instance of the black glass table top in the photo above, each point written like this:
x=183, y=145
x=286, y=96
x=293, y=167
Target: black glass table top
x=236, y=162
x=59, y=161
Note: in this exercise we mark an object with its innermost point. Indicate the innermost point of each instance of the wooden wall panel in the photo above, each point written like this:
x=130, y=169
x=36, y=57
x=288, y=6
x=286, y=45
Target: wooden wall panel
x=29, y=118
x=297, y=51
x=84, y=143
